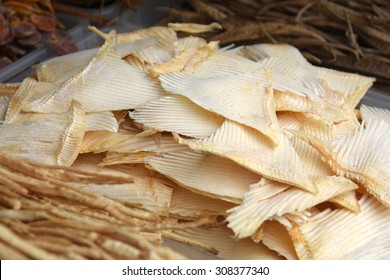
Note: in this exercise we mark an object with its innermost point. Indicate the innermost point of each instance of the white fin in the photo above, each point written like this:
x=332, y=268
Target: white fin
x=4, y=102
x=258, y=52
x=101, y=121
x=276, y=238
x=342, y=234
x=302, y=76
x=362, y=156
x=243, y=98
x=352, y=86
x=177, y=114
x=28, y=91
x=206, y=174
x=107, y=83
x=187, y=204
x=252, y=150
x=156, y=143
x=97, y=141
x=189, y=42
x=62, y=68
x=368, y=112
x=206, y=61
x=53, y=141
x=289, y=120
x=311, y=158
x=328, y=113
x=161, y=52
x=347, y=200
x=221, y=239
x=254, y=210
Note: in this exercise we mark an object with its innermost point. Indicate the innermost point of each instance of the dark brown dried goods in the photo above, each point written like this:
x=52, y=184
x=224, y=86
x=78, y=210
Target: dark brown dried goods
x=23, y=29
x=34, y=41
x=4, y=28
x=43, y=22
x=27, y=25
x=4, y=61
x=62, y=42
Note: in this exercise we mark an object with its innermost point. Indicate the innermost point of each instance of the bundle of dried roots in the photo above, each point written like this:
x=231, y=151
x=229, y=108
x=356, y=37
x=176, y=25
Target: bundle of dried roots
x=43, y=217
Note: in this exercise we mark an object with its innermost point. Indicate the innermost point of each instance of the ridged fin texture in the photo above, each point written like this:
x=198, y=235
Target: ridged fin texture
x=243, y=98
x=342, y=234
x=187, y=204
x=177, y=114
x=53, y=141
x=206, y=174
x=104, y=120
x=252, y=150
x=221, y=239
x=376, y=113
x=120, y=86
x=276, y=238
x=246, y=218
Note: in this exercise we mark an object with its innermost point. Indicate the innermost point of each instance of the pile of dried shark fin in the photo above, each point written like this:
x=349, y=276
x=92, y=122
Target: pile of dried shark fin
x=247, y=152
x=351, y=35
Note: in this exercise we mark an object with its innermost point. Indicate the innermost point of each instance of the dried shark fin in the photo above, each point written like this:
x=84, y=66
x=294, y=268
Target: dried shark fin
x=282, y=57
x=287, y=61
x=155, y=143
x=28, y=91
x=258, y=52
x=368, y=112
x=177, y=114
x=363, y=235
x=289, y=120
x=351, y=86
x=99, y=141
x=205, y=174
x=161, y=52
x=252, y=150
x=221, y=238
x=206, y=61
x=120, y=86
x=187, y=204
x=55, y=141
x=189, y=42
x=327, y=113
x=276, y=238
x=4, y=102
x=310, y=158
x=301, y=74
x=104, y=120
x=243, y=98
x=315, y=166
x=347, y=200
x=256, y=208
x=361, y=156
x=61, y=68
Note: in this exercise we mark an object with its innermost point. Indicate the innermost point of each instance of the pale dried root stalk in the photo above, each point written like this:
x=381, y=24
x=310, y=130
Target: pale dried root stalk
x=43, y=217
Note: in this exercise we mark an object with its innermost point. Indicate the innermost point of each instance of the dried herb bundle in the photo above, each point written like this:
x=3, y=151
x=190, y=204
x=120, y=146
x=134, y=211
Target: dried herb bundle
x=349, y=35
x=43, y=216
